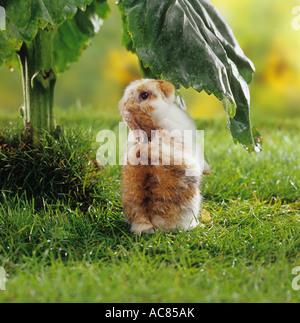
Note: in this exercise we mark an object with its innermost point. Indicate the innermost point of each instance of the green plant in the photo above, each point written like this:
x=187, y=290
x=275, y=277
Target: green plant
x=183, y=41
x=45, y=37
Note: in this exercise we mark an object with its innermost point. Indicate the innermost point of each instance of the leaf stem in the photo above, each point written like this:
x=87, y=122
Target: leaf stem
x=38, y=83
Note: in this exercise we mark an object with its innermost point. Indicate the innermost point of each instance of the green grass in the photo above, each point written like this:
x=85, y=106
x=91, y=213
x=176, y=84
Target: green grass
x=76, y=247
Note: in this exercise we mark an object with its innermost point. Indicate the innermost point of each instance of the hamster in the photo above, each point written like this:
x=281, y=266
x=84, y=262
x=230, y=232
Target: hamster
x=159, y=190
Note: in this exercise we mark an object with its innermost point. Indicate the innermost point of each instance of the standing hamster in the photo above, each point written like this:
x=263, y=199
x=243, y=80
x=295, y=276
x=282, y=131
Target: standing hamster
x=162, y=173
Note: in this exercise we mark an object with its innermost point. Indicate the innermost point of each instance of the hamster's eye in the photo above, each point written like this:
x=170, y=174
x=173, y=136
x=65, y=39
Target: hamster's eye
x=144, y=95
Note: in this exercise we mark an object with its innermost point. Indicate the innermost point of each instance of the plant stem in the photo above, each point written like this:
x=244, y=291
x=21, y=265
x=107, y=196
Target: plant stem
x=38, y=83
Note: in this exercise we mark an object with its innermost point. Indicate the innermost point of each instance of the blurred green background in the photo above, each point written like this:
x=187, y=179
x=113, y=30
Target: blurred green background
x=264, y=30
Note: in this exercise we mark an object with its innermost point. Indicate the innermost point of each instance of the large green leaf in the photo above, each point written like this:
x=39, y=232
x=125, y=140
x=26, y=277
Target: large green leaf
x=188, y=43
x=24, y=17
x=73, y=36
x=72, y=28
x=8, y=48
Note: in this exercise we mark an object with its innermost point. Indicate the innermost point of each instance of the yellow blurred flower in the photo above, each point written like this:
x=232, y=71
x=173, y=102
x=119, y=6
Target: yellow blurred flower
x=201, y=105
x=122, y=67
x=281, y=71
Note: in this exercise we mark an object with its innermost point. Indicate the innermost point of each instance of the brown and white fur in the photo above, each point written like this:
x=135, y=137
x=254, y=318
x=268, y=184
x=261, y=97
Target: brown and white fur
x=159, y=196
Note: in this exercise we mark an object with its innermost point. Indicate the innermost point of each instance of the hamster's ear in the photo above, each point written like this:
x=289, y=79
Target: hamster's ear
x=166, y=88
